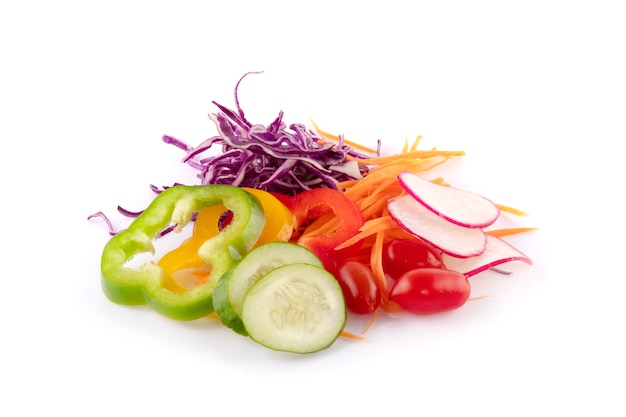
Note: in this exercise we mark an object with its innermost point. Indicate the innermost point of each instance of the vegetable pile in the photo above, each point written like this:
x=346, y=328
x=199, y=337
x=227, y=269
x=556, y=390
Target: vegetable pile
x=295, y=227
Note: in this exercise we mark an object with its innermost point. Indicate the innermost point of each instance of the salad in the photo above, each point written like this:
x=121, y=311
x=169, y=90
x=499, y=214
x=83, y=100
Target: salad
x=294, y=228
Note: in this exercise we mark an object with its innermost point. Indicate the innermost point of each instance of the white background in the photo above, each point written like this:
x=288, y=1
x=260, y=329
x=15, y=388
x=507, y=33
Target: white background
x=533, y=91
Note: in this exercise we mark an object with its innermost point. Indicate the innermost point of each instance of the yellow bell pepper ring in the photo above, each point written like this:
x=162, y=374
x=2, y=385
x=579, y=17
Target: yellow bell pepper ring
x=279, y=223
x=183, y=266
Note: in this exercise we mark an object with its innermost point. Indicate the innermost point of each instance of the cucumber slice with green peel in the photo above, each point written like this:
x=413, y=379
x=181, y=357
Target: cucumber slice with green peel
x=232, y=287
x=296, y=308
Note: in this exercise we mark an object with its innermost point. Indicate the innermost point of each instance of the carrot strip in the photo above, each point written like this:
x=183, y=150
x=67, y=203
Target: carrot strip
x=376, y=262
x=377, y=207
x=480, y=297
x=371, y=322
x=386, y=171
x=373, y=180
x=370, y=228
x=416, y=143
x=412, y=165
x=351, y=336
x=405, y=147
x=511, y=210
x=321, y=225
x=509, y=231
x=364, y=189
x=336, y=138
x=347, y=184
x=383, y=187
x=359, y=146
x=439, y=181
x=377, y=267
x=411, y=154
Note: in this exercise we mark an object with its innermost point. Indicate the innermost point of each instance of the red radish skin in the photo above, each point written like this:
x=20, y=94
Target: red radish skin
x=497, y=252
x=460, y=207
x=451, y=238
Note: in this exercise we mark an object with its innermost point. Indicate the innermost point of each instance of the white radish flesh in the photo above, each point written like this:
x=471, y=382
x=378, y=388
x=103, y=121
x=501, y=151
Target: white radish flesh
x=451, y=238
x=461, y=207
x=497, y=252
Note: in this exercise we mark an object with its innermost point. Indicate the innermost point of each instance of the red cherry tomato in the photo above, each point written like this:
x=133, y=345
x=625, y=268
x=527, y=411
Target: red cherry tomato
x=430, y=290
x=359, y=288
x=403, y=255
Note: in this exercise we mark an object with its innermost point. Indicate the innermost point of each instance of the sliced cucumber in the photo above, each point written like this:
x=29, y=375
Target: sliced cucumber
x=295, y=308
x=232, y=287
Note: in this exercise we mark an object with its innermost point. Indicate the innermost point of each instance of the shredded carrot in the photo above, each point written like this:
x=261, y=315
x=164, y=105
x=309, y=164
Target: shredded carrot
x=347, y=142
x=324, y=224
x=377, y=267
x=376, y=264
x=377, y=206
x=416, y=142
x=405, y=147
x=389, y=186
x=439, y=181
x=371, y=227
x=414, y=145
x=352, y=336
x=511, y=210
x=509, y=231
x=347, y=184
x=382, y=181
x=480, y=297
x=411, y=154
x=371, y=322
x=393, y=168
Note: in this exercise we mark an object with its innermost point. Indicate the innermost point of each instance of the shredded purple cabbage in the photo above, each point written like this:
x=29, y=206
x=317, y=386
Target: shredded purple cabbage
x=275, y=158
x=271, y=158
x=104, y=217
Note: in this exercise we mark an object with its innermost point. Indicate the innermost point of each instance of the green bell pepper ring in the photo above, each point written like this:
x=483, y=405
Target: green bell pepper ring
x=125, y=285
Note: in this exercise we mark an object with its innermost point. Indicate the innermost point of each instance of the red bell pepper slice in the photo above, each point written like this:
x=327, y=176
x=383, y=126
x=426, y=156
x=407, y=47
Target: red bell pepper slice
x=310, y=205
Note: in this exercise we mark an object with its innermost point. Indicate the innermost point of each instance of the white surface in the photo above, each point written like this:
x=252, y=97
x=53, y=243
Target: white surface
x=534, y=93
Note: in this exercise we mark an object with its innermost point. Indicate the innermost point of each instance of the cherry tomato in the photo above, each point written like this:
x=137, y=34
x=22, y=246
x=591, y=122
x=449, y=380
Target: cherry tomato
x=403, y=255
x=359, y=288
x=430, y=290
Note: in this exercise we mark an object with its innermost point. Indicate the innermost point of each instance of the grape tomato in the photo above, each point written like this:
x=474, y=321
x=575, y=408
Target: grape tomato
x=403, y=255
x=360, y=291
x=430, y=290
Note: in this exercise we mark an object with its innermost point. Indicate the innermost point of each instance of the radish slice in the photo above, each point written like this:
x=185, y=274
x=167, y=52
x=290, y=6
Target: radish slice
x=457, y=206
x=451, y=238
x=496, y=252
